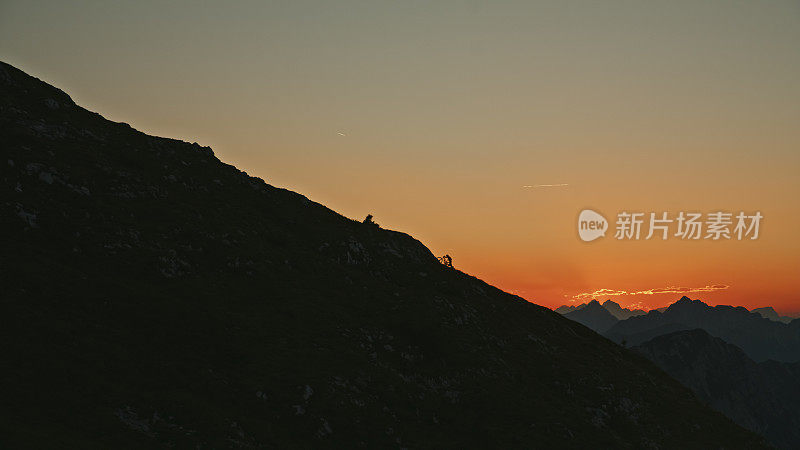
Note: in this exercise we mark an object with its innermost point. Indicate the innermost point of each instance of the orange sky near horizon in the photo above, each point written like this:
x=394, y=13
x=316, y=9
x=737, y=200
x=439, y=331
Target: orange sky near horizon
x=434, y=117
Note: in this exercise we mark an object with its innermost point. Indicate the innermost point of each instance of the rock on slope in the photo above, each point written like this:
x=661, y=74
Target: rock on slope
x=155, y=296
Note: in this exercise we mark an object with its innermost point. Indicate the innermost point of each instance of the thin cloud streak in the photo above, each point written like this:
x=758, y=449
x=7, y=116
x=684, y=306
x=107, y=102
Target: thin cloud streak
x=667, y=290
x=529, y=186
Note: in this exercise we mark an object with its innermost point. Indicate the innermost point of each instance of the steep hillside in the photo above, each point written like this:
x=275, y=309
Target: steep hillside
x=155, y=296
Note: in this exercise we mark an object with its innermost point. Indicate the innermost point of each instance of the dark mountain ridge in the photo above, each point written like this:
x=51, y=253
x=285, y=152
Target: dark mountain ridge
x=157, y=297
x=763, y=397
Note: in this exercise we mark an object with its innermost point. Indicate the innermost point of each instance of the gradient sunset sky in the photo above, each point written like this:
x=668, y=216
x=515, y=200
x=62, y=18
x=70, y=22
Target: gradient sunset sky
x=434, y=116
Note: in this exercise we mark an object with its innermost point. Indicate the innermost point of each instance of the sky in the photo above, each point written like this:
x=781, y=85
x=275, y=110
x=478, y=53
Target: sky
x=443, y=119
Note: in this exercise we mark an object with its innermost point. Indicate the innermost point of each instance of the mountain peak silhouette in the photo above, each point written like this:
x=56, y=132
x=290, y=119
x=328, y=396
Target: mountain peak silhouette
x=769, y=312
x=619, y=312
x=594, y=316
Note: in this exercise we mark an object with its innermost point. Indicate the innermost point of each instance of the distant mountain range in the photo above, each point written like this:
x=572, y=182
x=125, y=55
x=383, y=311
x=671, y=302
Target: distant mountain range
x=621, y=313
x=760, y=338
x=745, y=364
x=763, y=397
x=762, y=333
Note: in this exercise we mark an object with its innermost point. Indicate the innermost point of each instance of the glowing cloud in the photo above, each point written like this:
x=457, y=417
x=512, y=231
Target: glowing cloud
x=528, y=186
x=666, y=290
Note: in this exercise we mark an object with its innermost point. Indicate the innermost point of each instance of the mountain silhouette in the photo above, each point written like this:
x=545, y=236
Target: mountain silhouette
x=770, y=313
x=594, y=316
x=154, y=296
x=620, y=312
x=613, y=307
x=569, y=308
x=763, y=397
x=760, y=338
